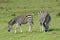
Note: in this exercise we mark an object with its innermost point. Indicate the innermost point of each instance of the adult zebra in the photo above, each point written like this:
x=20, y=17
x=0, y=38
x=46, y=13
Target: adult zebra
x=44, y=19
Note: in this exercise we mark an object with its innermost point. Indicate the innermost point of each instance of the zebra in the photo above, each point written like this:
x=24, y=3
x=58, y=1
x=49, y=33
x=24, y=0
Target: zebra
x=19, y=20
x=44, y=20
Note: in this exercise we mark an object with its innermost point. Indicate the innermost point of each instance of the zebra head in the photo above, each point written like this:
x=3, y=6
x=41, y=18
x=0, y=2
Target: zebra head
x=10, y=24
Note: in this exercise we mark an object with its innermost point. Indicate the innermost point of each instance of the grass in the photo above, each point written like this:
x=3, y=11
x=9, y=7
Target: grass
x=10, y=9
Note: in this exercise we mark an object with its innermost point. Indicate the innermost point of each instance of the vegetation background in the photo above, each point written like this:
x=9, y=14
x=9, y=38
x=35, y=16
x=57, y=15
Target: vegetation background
x=11, y=8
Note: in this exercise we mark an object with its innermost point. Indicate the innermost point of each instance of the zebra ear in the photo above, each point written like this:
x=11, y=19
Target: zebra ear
x=39, y=11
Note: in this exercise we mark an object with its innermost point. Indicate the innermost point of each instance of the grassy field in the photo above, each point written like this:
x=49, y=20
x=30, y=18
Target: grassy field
x=11, y=8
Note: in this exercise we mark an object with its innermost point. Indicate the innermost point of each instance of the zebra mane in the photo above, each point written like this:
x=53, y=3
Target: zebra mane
x=12, y=21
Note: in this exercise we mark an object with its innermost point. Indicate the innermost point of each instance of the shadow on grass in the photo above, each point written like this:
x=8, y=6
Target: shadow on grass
x=54, y=30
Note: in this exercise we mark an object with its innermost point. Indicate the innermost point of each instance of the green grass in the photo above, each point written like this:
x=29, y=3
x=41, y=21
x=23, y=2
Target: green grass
x=10, y=9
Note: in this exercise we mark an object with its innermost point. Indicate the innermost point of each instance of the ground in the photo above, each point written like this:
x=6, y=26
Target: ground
x=11, y=8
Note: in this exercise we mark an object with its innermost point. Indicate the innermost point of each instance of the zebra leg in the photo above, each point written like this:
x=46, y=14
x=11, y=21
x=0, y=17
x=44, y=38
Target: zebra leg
x=20, y=28
x=16, y=27
x=30, y=27
x=43, y=25
x=42, y=28
x=46, y=27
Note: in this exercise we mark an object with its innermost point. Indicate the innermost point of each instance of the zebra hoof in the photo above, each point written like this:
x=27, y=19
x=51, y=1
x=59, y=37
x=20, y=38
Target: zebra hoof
x=8, y=30
x=46, y=30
